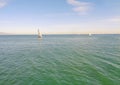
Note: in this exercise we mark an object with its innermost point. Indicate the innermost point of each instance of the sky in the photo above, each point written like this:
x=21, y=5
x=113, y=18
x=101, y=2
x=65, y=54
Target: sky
x=60, y=16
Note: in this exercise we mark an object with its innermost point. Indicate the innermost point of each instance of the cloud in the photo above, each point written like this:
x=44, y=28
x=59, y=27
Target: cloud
x=3, y=3
x=58, y=14
x=115, y=19
x=80, y=7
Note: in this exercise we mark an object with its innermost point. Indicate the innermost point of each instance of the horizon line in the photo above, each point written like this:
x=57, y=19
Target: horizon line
x=60, y=33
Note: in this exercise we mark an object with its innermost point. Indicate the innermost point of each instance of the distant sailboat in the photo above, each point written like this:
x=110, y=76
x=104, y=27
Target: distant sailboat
x=90, y=34
x=39, y=34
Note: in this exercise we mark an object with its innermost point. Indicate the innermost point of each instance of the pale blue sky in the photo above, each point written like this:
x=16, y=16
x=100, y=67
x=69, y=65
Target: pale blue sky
x=60, y=16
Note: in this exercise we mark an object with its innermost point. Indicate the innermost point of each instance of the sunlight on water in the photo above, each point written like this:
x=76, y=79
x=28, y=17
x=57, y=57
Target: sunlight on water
x=60, y=60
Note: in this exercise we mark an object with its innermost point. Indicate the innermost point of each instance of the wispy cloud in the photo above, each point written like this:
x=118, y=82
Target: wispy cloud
x=3, y=3
x=80, y=7
x=58, y=14
x=115, y=19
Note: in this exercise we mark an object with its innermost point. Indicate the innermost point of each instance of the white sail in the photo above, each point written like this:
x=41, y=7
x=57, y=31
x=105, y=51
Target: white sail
x=90, y=34
x=39, y=34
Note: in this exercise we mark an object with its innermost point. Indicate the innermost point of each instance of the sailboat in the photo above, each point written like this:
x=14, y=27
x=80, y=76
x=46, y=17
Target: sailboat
x=90, y=34
x=39, y=34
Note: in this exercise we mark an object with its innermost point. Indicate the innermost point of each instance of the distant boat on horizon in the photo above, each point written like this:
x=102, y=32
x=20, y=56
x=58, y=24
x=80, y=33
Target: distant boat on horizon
x=39, y=34
x=90, y=34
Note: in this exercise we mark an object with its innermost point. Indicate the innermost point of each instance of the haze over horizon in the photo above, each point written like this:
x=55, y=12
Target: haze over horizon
x=60, y=16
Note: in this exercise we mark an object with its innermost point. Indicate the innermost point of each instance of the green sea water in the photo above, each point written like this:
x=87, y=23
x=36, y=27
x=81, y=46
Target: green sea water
x=60, y=60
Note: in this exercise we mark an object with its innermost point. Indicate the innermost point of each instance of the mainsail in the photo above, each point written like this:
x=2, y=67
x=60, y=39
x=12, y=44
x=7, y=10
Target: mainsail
x=90, y=34
x=39, y=34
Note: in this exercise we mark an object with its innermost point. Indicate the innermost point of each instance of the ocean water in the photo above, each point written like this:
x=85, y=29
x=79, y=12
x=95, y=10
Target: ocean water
x=60, y=60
